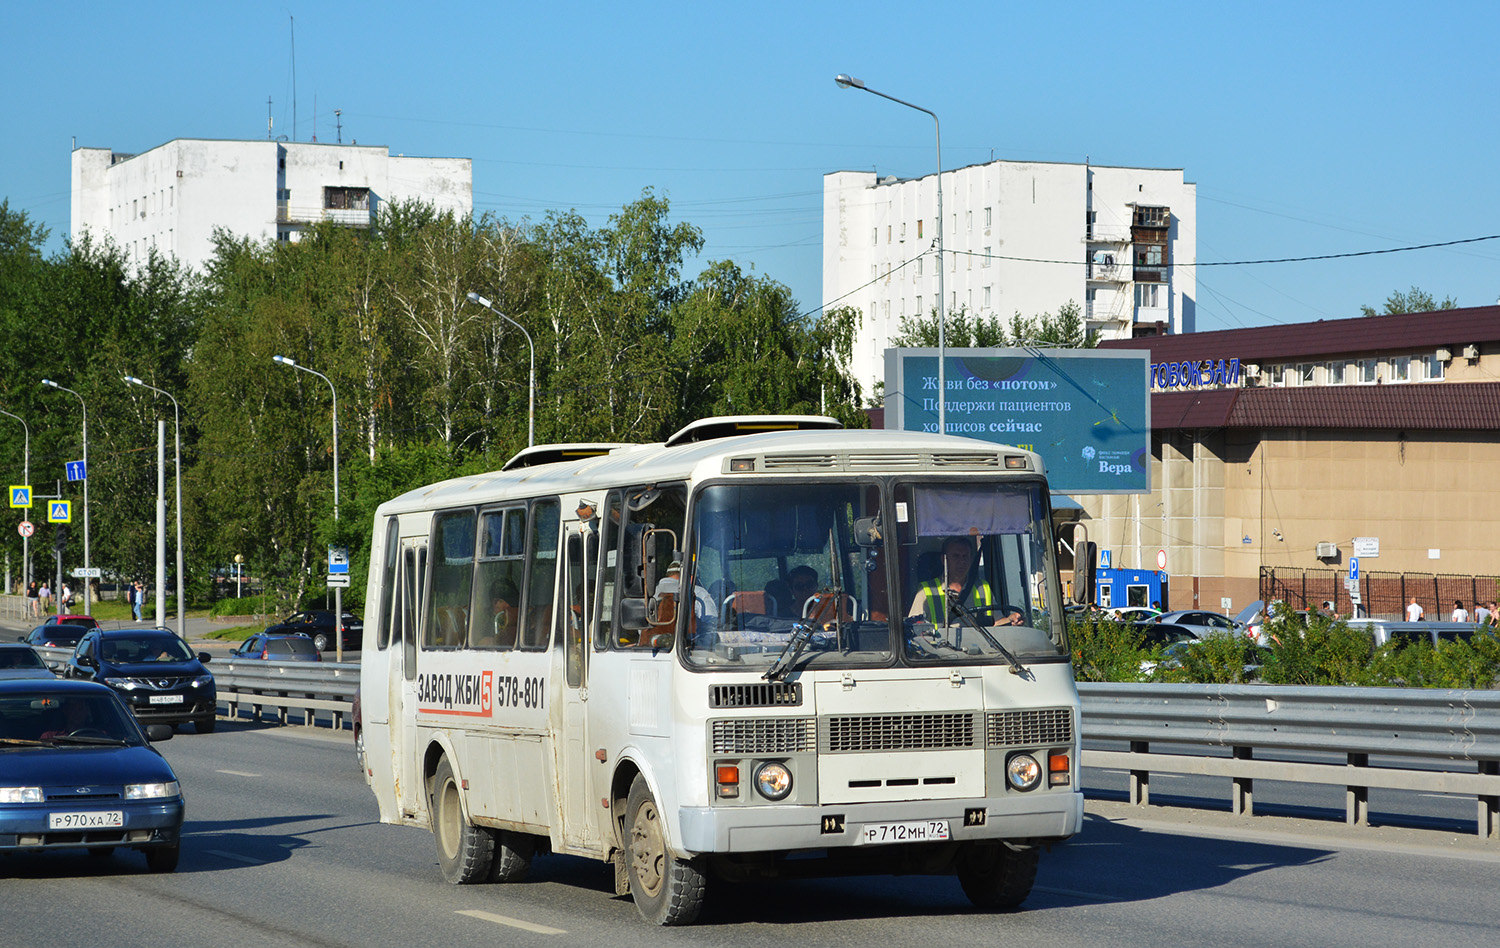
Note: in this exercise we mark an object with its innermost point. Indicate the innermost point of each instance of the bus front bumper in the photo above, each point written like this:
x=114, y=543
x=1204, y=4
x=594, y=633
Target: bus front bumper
x=1050, y=815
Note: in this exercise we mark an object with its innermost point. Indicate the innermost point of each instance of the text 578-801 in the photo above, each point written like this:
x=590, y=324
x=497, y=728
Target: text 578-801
x=512, y=691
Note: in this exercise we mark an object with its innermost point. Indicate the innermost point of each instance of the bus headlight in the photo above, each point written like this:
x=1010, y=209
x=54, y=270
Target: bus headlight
x=774, y=781
x=1023, y=772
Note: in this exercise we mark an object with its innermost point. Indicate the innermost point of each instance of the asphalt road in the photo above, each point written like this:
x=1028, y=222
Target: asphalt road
x=283, y=849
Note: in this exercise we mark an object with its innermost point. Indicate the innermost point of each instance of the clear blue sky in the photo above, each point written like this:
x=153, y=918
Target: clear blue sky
x=1310, y=128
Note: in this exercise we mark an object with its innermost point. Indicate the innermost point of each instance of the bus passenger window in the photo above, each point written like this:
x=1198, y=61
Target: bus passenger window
x=497, y=585
x=608, y=570
x=541, y=575
x=452, y=578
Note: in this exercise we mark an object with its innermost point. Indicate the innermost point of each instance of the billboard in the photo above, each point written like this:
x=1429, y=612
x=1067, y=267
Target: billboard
x=1087, y=412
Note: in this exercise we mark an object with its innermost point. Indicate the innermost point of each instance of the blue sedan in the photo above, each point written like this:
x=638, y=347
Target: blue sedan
x=76, y=771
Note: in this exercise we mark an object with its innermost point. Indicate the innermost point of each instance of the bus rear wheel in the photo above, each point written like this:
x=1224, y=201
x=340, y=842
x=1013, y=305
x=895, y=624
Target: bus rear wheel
x=464, y=850
x=994, y=876
x=512, y=859
x=666, y=890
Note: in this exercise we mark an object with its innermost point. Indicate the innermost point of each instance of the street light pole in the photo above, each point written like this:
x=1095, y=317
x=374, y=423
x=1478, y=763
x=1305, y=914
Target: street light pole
x=177, y=463
x=531, y=383
x=338, y=591
x=87, y=609
x=849, y=82
x=26, y=479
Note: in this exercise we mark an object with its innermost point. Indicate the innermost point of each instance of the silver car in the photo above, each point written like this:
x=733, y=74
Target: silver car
x=1201, y=621
x=18, y=660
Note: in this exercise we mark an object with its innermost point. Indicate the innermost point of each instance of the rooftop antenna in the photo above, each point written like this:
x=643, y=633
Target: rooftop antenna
x=269, y=135
x=294, y=76
x=315, y=117
x=338, y=123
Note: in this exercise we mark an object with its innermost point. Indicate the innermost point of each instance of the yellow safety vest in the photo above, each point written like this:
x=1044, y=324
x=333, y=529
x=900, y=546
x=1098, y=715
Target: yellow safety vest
x=980, y=597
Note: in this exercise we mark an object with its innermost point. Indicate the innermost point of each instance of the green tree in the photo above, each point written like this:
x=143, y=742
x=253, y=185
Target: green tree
x=965, y=331
x=1415, y=300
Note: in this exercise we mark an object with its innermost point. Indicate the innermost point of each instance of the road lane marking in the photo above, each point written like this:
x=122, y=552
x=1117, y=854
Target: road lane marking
x=236, y=773
x=248, y=860
x=512, y=922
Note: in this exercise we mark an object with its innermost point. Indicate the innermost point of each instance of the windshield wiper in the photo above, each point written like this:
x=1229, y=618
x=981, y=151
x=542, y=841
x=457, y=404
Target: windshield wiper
x=962, y=611
x=802, y=633
x=87, y=739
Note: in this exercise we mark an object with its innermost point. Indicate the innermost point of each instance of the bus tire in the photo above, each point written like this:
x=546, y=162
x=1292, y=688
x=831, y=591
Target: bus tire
x=666, y=890
x=464, y=850
x=994, y=876
x=512, y=859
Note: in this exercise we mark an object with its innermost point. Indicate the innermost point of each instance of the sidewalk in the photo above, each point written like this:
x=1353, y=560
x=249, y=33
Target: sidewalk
x=14, y=624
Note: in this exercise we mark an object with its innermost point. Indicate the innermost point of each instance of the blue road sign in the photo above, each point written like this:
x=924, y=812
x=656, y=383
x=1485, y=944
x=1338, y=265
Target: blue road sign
x=20, y=495
x=1104, y=559
x=1354, y=568
x=76, y=471
x=59, y=511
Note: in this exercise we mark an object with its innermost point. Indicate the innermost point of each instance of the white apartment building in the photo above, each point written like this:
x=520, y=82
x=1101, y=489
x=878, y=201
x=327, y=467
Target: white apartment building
x=1018, y=236
x=173, y=196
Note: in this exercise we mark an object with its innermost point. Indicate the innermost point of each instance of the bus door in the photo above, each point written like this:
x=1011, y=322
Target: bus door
x=403, y=676
x=576, y=764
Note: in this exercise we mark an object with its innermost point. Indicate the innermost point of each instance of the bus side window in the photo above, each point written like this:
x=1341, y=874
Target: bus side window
x=655, y=516
x=388, y=583
x=541, y=574
x=496, y=611
x=452, y=577
x=574, y=637
x=609, y=556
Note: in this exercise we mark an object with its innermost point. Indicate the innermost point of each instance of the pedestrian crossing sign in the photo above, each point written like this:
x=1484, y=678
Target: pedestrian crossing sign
x=20, y=495
x=60, y=511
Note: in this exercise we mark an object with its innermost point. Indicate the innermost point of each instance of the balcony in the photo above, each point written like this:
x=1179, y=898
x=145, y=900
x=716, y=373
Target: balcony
x=287, y=213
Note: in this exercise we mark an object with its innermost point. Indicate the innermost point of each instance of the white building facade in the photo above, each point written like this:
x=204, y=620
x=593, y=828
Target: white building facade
x=174, y=196
x=1018, y=237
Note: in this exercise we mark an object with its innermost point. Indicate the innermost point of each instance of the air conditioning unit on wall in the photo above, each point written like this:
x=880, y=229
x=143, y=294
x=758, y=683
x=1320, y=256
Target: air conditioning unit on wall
x=1327, y=551
x=1252, y=371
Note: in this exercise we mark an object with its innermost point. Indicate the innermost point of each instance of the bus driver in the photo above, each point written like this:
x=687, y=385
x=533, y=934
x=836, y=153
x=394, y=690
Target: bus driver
x=958, y=561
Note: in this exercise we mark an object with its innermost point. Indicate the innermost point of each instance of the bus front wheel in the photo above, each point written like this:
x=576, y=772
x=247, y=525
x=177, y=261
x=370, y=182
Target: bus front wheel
x=666, y=890
x=994, y=876
x=464, y=850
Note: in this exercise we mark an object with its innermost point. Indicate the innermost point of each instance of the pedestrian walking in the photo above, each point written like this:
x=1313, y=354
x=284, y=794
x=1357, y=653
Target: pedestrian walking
x=32, y=594
x=137, y=597
x=1414, y=610
x=64, y=598
x=44, y=597
x=1460, y=614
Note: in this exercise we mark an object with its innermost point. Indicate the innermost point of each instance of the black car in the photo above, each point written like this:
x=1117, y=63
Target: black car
x=317, y=624
x=154, y=673
x=278, y=648
x=56, y=636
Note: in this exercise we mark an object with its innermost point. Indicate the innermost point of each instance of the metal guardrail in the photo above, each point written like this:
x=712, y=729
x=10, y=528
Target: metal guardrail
x=1428, y=740
x=1454, y=735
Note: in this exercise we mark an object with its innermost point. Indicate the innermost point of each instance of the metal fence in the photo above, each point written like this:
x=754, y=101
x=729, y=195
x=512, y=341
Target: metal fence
x=1427, y=740
x=1383, y=595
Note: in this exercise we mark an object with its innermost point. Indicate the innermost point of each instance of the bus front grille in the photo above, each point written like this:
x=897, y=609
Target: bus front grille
x=765, y=736
x=1027, y=728
x=770, y=694
x=895, y=732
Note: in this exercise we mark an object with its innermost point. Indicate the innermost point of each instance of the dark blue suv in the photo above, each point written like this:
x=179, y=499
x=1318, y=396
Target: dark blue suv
x=154, y=673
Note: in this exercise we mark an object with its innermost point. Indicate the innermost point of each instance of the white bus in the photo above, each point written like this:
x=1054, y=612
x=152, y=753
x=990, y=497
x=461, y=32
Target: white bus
x=763, y=647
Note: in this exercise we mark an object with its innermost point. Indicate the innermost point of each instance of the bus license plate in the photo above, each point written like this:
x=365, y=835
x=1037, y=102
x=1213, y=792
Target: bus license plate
x=166, y=699
x=99, y=819
x=920, y=831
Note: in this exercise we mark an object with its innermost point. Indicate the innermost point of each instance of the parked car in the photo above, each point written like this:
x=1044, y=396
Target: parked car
x=1136, y=613
x=317, y=624
x=88, y=622
x=278, y=648
x=55, y=636
x=154, y=673
x=79, y=773
x=21, y=661
x=1200, y=619
x=1405, y=633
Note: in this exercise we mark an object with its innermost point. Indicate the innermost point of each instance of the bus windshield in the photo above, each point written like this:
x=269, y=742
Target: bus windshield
x=848, y=573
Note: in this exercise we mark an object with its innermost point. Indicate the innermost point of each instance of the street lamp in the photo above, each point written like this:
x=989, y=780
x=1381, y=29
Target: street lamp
x=531, y=385
x=338, y=591
x=87, y=610
x=177, y=463
x=26, y=479
x=849, y=82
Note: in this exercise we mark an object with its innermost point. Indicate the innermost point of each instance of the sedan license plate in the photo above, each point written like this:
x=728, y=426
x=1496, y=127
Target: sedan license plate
x=98, y=819
x=166, y=699
x=919, y=831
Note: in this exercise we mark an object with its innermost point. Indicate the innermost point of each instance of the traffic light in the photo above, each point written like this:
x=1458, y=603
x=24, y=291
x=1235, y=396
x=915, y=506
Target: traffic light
x=1085, y=564
x=60, y=538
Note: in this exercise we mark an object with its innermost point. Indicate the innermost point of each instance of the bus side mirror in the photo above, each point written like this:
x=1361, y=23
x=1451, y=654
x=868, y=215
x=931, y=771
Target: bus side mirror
x=1085, y=571
x=633, y=614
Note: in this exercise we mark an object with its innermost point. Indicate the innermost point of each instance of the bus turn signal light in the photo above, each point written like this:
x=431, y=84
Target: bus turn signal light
x=728, y=776
x=1057, y=770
